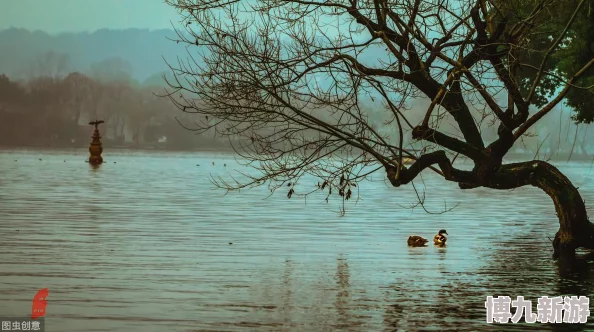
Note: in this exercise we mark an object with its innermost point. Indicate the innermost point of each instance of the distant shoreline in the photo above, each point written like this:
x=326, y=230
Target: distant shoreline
x=510, y=157
x=542, y=156
x=113, y=148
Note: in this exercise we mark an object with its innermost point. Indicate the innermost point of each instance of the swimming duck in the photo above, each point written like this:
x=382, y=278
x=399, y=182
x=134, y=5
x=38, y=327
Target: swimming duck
x=440, y=239
x=416, y=241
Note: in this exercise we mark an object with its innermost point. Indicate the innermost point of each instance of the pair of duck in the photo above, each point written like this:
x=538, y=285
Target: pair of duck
x=439, y=239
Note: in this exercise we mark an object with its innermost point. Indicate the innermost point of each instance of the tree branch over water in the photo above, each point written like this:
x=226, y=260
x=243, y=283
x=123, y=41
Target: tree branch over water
x=293, y=79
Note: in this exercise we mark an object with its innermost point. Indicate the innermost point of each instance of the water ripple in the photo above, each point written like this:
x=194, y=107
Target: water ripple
x=146, y=245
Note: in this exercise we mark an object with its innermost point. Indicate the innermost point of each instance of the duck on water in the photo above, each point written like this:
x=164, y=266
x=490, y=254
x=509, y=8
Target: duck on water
x=418, y=241
x=440, y=239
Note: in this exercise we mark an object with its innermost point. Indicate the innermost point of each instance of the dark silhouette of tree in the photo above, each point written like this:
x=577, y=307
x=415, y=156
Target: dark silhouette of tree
x=10, y=92
x=289, y=76
x=12, y=98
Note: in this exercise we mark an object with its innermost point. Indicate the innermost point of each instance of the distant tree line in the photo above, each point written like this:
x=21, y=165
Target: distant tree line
x=54, y=111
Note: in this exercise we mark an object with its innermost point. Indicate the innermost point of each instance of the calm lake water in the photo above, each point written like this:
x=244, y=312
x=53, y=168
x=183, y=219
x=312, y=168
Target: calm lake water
x=143, y=245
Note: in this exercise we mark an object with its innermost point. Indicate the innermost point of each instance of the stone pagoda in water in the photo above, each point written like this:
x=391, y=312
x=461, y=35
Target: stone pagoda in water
x=96, y=148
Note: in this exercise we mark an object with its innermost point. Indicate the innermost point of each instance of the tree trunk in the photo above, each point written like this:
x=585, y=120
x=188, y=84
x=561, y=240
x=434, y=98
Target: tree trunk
x=575, y=230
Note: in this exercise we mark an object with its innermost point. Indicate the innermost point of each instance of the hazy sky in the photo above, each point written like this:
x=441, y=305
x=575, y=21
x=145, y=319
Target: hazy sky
x=55, y=16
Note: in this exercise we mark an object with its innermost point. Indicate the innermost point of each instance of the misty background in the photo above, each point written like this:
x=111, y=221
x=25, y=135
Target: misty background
x=66, y=62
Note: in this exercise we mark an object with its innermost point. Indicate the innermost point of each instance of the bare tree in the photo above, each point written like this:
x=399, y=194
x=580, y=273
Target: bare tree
x=289, y=78
x=49, y=64
x=112, y=70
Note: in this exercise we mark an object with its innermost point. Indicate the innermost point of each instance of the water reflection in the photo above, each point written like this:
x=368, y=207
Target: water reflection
x=441, y=256
x=287, y=294
x=575, y=278
x=132, y=259
x=94, y=167
x=578, y=269
x=342, y=303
